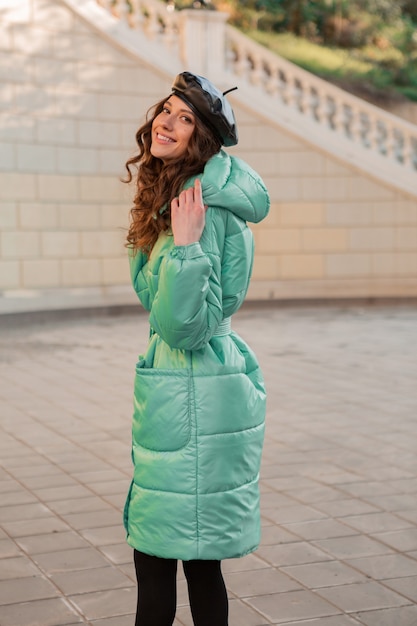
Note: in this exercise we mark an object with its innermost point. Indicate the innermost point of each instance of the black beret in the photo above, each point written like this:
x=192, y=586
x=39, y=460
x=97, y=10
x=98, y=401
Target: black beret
x=206, y=101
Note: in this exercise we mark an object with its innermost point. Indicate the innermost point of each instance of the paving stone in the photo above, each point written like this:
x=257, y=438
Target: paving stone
x=69, y=560
x=266, y=581
x=355, y=545
x=405, y=540
x=48, y=481
x=294, y=605
x=8, y=548
x=49, y=612
x=20, y=496
x=346, y=507
x=49, y=494
x=388, y=566
x=119, y=553
x=25, y=589
x=93, y=519
x=51, y=542
x=79, y=505
x=277, y=534
x=106, y=535
x=103, y=604
x=410, y=515
x=325, y=574
x=404, y=616
x=40, y=526
x=362, y=597
x=97, y=579
x=249, y=562
x=17, y=567
x=297, y=513
x=120, y=620
x=405, y=586
x=292, y=554
x=339, y=620
x=376, y=522
x=321, y=529
x=23, y=511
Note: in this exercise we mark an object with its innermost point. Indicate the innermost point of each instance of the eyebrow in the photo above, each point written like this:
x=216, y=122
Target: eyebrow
x=187, y=111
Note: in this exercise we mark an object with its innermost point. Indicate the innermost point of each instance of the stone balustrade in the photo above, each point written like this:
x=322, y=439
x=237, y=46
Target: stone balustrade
x=331, y=108
x=157, y=19
x=327, y=105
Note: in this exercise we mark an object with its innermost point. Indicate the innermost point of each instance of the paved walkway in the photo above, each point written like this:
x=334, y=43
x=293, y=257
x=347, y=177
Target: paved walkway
x=339, y=476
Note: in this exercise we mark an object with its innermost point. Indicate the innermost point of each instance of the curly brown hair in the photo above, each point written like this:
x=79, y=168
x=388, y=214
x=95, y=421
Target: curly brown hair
x=158, y=183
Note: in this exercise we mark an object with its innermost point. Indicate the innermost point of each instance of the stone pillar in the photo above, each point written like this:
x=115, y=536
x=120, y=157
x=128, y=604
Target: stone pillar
x=203, y=42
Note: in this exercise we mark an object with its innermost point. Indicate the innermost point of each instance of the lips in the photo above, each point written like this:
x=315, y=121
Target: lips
x=164, y=138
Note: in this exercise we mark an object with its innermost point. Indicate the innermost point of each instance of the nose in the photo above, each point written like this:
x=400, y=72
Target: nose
x=167, y=122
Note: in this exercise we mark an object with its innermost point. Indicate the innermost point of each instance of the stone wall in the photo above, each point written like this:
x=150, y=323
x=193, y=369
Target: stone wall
x=71, y=101
x=332, y=231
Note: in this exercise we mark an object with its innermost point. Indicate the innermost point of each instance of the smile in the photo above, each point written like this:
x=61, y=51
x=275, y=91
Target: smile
x=164, y=138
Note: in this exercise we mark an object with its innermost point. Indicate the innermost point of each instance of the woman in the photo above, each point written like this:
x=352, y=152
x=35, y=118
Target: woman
x=199, y=400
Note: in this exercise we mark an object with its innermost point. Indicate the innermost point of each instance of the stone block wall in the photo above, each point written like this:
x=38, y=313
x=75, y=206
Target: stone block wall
x=70, y=102
x=332, y=231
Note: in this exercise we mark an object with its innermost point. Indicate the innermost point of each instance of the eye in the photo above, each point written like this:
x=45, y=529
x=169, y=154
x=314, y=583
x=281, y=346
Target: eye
x=166, y=110
x=187, y=119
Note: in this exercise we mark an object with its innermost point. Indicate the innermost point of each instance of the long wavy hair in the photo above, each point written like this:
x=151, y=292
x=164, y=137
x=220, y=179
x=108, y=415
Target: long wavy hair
x=158, y=183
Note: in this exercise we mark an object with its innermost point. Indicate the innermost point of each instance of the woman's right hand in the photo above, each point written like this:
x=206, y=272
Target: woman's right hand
x=188, y=215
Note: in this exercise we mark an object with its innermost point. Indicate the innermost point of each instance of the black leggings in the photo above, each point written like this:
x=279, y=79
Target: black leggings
x=157, y=591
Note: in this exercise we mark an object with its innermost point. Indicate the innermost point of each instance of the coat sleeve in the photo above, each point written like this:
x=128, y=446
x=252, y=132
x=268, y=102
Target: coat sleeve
x=138, y=265
x=187, y=307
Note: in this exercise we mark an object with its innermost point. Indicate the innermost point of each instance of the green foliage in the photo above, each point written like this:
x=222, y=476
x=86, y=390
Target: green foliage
x=365, y=45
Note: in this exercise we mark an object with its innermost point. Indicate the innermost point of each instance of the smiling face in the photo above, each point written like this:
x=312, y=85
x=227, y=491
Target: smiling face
x=172, y=130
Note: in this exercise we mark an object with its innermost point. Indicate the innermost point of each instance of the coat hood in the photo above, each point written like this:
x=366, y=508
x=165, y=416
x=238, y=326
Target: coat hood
x=231, y=184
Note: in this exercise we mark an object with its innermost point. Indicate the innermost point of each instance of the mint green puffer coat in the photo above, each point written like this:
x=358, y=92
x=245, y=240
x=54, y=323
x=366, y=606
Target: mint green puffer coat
x=199, y=397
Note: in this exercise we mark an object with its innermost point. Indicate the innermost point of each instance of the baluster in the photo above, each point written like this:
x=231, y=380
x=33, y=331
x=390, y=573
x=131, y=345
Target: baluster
x=135, y=16
x=241, y=61
x=282, y=85
x=307, y=99
x=413, y=151
x=365, y=129
x=231, y=57
x=372, y=135
x=339, y=118
x=330, y=111
x=272, y=83
x=310, y=101
x=151, y=23
x=389, y=141
x=106, y=4
x=290, y=91
x=319, y=109
x=357, y=128
x=299, y=95
x=170, y=32
x=121, y=10
x=256, y=71
x=406, y=152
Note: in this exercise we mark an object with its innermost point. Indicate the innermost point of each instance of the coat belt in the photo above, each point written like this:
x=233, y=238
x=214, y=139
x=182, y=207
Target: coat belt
x=224, y=328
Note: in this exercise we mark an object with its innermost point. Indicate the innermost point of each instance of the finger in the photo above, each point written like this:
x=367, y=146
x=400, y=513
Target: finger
x=198, y=191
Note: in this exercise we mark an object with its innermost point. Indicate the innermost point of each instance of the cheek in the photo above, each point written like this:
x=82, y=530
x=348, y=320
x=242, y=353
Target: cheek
x=186, y=136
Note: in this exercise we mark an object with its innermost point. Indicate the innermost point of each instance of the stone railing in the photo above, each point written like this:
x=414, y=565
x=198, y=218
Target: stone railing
x=228, y=52
x=157, y=19
x=327, y=105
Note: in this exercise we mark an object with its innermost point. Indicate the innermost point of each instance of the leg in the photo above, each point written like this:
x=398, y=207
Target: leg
x=207, y=593
x=157, y=590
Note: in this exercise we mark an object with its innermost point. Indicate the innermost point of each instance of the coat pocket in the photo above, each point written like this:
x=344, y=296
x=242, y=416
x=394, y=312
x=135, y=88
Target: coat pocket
x=162, y=408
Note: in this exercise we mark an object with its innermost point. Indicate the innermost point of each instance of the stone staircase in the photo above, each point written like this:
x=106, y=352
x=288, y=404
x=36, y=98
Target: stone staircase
x=357, y=132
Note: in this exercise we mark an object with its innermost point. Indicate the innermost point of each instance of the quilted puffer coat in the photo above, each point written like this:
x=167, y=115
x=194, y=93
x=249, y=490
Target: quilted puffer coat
x=199, y=396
